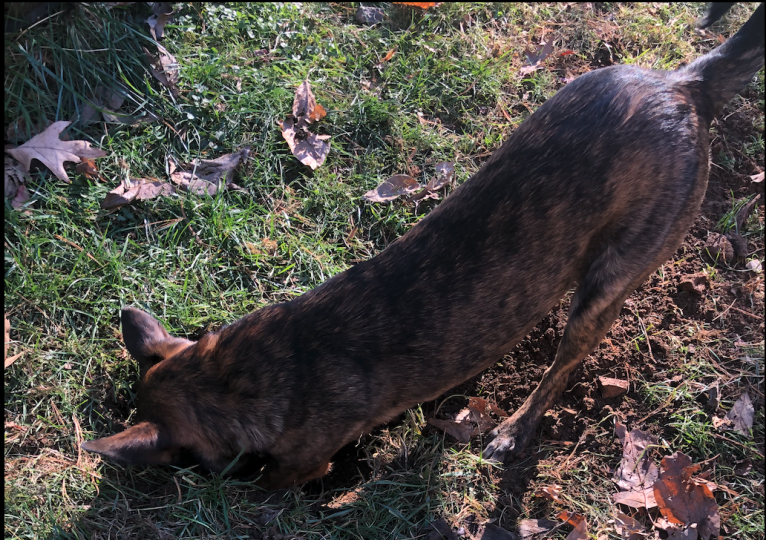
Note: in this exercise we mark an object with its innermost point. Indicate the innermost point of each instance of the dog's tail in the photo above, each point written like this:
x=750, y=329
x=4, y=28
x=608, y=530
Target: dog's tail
x=726, y=70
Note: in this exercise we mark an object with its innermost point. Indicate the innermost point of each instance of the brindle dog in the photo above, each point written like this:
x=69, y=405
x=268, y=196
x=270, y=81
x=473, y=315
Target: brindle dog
x=596, y=189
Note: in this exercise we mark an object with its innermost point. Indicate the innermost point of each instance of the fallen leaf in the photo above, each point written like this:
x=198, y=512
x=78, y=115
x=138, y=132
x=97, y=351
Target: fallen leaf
x=685, y=504
x=757, y=177
x=421, y=5
x=15, y=188
x=444, y=173
x=636, y=471
x=552, y=493
x=636, y=499
x=754, y=266
x=469, y=422
x=722, y=423
x=161, y=16
x=389, y=55
x=7, y=335
x=165, y=68
x=141, y=189
x=628, y=528
x=305, y=105
x=53, y=152
x=369, y=15
x=741, y=415
x=580, y=532
x=713, y=398
x=206, y=176
x=611, y=388
x=745, y=211
x=309, y=148
x=535, y=58
x=497, y=410
x=529, y=528
x=392, y=188
x=88, y=168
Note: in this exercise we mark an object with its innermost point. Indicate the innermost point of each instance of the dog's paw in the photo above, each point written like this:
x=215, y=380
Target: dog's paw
x=505, y=444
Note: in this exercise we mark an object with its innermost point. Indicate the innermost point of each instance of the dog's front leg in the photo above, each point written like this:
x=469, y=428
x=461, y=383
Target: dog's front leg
x=595, y=306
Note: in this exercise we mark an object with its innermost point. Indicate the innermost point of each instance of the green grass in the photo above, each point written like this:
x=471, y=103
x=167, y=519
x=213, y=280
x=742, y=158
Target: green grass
x=199, y=263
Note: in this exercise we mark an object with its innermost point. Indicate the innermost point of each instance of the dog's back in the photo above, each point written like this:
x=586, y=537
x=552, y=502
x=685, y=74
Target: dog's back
x=596, y=189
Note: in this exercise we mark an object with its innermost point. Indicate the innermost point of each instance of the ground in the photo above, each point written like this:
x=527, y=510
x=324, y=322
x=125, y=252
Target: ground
x=450, y=91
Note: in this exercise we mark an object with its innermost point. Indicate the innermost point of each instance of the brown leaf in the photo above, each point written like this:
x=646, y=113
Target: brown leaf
x=462, y=431
x=636, y=471
x=141, y=189
x=161, y=16
x=304, y=102
x=165, y=68
x=309, y=148
x=421, y=5
x=628, y=528
x=685, y=504
x=745, y=211
x=754, y=266
x=743, y=467
x=611, y=388
x=204, y=177
x=552, y=493
x=497, y=410
x=53, y=152
x=7, y=335
x=530, y=528
x=757, y=178
x=88, y=168
x=392, y=188
x=741, y=415
x=636, y=499
x=535, y=58
x=388, y=56
x=15, y=188
x=369, y=15
x=580, y=532
x=719, y=248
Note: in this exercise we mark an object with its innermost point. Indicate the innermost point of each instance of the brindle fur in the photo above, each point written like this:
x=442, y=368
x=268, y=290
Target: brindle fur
x=596, y=189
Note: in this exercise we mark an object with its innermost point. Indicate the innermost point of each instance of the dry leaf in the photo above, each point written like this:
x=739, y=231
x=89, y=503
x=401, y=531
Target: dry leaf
x=421, y=5
x=754, y=266
x=685, y=504
x=535, y=58
x=462, y=431
x=551, y=492
x=741, y=415
x=611, y=388
x=743, y=467
x=88, y=168
x=305, y=105
x=53, y=152
x=165, y=68
x=161, y=16
x=309, y=148
x=392, y=188
x=143, y=189
x=389, y=55
x=15, y=188
x=497, y=410
x=580, y=531
x=636, y=499
x=530, y=528
x=445, y=171
x=628, y=528
x=7, y=335
x=757, y=177
x=636, y=471
x=205, y=176
x=369, y=15
x=745, y=211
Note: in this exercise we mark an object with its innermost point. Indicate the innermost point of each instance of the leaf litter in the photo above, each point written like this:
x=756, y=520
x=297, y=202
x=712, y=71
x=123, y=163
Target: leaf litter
x=403, y=185
x=164, y=68
x=15, y=180
x=469, y=422
x=310, y=149
x=637, y=472
x=161, y=15
x=52, y=152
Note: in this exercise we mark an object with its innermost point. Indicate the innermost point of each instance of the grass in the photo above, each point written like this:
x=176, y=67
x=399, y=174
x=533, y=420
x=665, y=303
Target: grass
x=450, y=92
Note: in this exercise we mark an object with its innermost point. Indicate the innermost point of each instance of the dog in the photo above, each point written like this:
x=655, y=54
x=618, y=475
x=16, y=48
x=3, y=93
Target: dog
x=596, y=190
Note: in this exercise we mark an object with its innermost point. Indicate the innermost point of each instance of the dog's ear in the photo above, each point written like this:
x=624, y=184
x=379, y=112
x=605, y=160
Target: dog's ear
x=147, y=340
x=142, y=444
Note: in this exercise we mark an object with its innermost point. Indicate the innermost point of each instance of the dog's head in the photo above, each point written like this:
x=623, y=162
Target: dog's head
x=151, y=441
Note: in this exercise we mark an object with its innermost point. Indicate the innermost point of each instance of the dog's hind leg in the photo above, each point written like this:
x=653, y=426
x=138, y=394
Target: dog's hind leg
x=595, y=306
